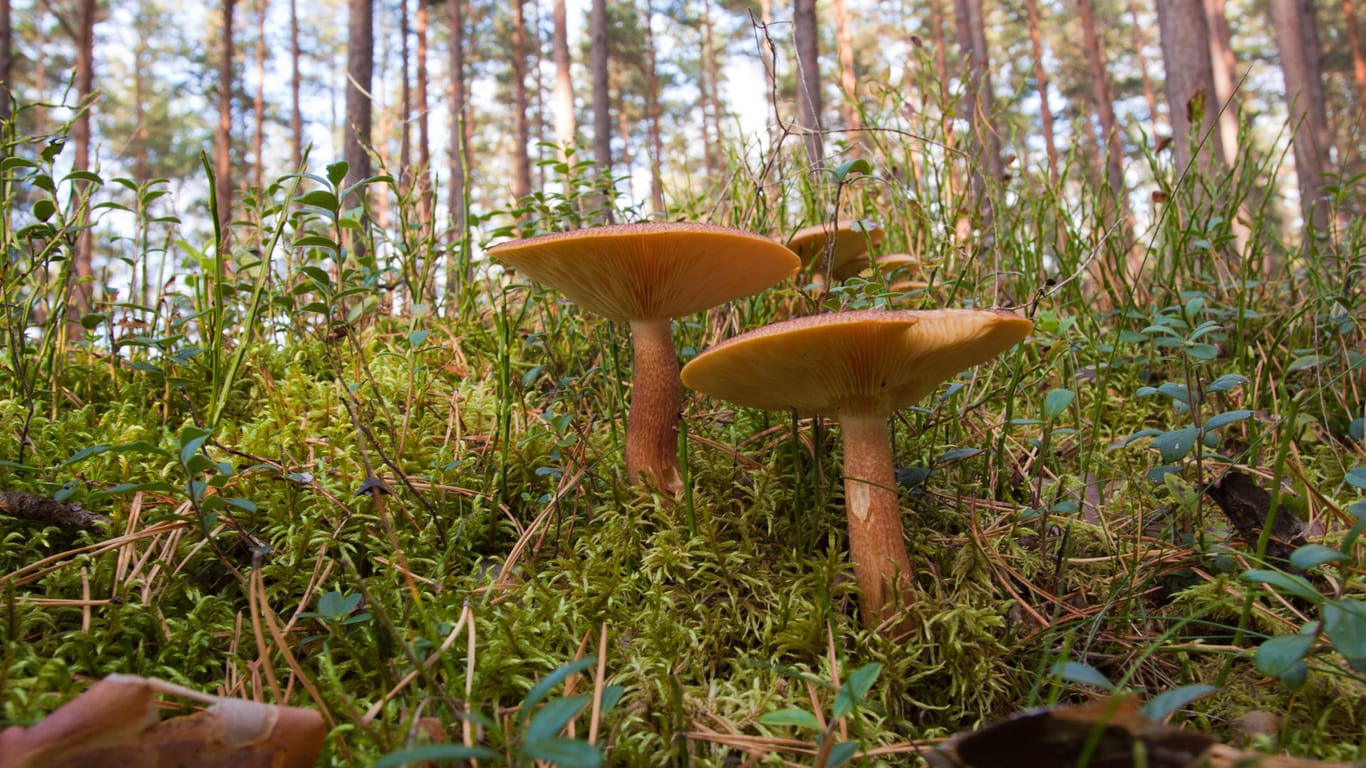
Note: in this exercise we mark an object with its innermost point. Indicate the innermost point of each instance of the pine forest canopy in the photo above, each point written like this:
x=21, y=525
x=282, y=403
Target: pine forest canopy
x=674, y=96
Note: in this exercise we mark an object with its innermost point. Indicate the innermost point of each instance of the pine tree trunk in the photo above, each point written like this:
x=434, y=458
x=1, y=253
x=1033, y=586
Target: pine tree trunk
x=82, y=292
x=653, y=108
x=405, y=107
x=222, y=142
x=521, y=162
x=980, y=101
x=258, y=106
x=1298, y=71
x=1104, y=102
x=804, y=35
x=6, y=63
x=1222, y=66
x=1358, y=59
x=1190, y=84
x=848, y=78
x=424, y=143
x=713, y=96
x=602, y=99
x=360, y=67
x=1149, y=93
x=1041, y=75
x=456, y=256
x=566, y=126
x=296, y=115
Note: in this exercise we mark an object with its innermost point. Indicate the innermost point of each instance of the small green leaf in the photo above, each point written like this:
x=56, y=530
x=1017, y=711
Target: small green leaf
x=1202, y=351
x=1056, y=401
x=792, y=716
x=1310, y=555
x=1344, y=622
x=1305, y=362
x=335, y=605
x=1284, y=582
x=191, y=440
x=336, y=172
x=1174, y=445
x=543, y=688
x=44, y=209
x=1356, y=477
x=1226, y=383
x=1167, y=702
x=555, y=715
x=1279, y=655
x=566, y=753
x=853, y=690
x=1082, y=674
x=435, y=752
x=1226, y=418
x=956, y=454
x=842, y=753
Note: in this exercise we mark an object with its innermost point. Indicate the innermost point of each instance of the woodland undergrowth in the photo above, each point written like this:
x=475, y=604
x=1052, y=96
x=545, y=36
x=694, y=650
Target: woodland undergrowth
x=340, y=475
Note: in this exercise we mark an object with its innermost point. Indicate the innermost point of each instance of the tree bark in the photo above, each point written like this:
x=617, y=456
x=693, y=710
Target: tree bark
x=424, y=142
x=1299, y=70
x=653, y=109
x=258, y=106
x=360, y=67
x=222, y=142
x=1190, y=84
x=1149, y=93
x=456, y=259
x=296, y=115
x=713, y=95
x=804, y=36
x=83, y=290
x=1041, y=76
x=566, y=126
x=848, y=77
x=1222, y=66
x=602, y=98
x=6, y=63
x=980, y=101
x=1358, y=59
x=405, y=108
x=521, y=138
x=1104, y=100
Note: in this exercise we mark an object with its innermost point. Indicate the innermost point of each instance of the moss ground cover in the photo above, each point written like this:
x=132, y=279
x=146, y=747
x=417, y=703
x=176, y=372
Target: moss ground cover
x=418, y=520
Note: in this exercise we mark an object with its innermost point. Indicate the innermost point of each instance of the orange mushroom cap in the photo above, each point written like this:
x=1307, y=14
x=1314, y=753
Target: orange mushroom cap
x=853, y=238
x=867, y=362
x=651, y=270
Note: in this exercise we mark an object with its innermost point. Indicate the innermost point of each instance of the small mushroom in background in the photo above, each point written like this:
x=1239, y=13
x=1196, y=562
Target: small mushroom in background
x=860, y=368
x=646, y=274
x=853, y=239
x=115, y=723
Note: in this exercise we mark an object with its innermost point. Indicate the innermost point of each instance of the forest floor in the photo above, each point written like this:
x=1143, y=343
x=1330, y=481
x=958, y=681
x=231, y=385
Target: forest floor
x=407, y=519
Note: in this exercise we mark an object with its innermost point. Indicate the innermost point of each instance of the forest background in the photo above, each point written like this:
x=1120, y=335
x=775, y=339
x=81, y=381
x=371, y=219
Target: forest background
x=248, y=319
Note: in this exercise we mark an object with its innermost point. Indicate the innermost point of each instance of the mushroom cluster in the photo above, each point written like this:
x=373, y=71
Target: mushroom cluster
x=858, y=367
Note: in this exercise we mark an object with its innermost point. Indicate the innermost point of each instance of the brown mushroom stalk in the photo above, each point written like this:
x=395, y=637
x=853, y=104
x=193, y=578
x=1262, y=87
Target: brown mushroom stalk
x=875, y=537
x=656, y=400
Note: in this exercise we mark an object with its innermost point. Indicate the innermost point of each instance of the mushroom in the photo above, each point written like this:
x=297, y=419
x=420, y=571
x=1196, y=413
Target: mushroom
x=858, y=367
x=115, y=722
x=853, y=238
x=892, y=265
x=646, y=274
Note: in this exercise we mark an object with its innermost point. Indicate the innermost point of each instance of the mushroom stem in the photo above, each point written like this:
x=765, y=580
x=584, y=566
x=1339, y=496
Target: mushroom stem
x=656, y=398
x=876, y=546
